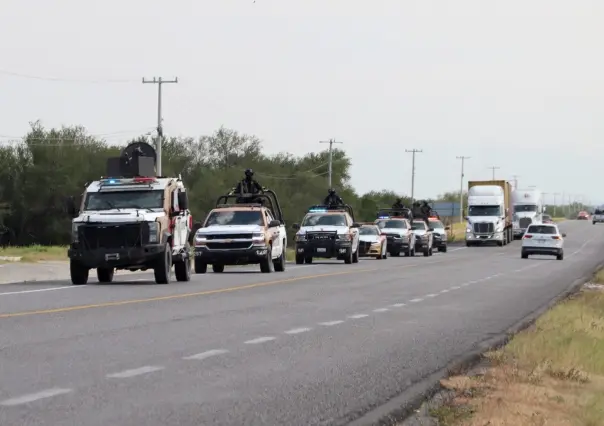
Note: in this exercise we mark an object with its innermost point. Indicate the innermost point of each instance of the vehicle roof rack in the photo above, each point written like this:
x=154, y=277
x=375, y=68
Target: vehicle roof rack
x=267, y=194
x=318, y=208
x=392, y=213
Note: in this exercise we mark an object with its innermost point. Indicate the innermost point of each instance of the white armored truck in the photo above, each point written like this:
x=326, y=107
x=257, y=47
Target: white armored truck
x=131, y=220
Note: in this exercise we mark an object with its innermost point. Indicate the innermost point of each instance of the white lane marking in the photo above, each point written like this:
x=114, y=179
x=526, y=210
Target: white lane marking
x=206, y=354
x=381, y=310
x=297, y=330
x=398, y=305
x=134, y=372
x=48, y=393
x=358, y=316
x=415, y=300
x=259, y=340
x=465, y=284
x=431, y=295
x=444, y=291
x=455, y=287
x=42, y=289
x=330, y=323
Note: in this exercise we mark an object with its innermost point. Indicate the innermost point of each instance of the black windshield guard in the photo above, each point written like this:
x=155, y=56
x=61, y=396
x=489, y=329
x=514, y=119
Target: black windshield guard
x=404, y=212
x=333, y=208
x=246, y=199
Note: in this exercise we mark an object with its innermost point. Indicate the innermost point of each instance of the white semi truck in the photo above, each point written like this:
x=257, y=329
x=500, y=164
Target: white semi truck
x=528, y=209
x=489, y=218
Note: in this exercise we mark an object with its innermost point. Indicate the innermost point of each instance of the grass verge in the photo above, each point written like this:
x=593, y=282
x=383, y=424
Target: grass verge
x=457, y=232
x=552, y=373
x=35, y=253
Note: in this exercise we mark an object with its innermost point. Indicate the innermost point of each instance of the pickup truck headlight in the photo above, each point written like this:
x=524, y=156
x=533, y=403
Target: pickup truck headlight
x=153, y=232
x=74, y=232
x=200, y=239
x=258, y=238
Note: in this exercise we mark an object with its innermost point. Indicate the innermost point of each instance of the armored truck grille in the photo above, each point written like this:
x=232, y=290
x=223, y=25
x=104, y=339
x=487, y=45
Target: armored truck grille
x=483, y=228
x=321, y=236
x=525, y=222
x=114, y=236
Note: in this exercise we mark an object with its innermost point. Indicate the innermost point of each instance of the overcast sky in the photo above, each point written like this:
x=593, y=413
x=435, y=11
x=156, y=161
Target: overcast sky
x=513, y=84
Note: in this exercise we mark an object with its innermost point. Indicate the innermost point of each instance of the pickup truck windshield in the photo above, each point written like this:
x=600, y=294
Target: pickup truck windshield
x=397, y=224
x=230, y=217
x=125, y=200
x=525, y=208
x=484, y=211
x=324, y=219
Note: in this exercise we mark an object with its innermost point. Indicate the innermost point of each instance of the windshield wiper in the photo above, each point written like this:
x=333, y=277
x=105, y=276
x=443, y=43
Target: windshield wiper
x=142, y=208
x=111, y=205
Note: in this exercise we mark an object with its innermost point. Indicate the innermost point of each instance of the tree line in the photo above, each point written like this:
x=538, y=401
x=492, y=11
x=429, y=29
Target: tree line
x=40, y=173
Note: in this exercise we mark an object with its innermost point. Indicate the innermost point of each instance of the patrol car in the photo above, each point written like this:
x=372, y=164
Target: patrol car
x=398, y=230
x=424, y=237
x=327, y=232
x=439, y=233
x=373, y=242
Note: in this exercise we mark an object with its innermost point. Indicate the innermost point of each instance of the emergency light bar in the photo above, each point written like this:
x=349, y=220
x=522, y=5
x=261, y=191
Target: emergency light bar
x=317, y=210
x=383, y=217
x=129, y=181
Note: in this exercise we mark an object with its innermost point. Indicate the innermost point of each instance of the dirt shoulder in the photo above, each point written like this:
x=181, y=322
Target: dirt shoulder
x=551, y=373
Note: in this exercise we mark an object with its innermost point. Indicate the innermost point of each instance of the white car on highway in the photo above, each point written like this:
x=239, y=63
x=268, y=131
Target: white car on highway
x=543, y=239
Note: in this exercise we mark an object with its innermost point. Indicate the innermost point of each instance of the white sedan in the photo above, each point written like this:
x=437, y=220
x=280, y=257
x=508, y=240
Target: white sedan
x=543, y=239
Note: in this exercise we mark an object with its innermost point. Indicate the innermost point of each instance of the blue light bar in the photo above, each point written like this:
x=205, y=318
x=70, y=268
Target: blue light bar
x=383, y=217
x=317, y=210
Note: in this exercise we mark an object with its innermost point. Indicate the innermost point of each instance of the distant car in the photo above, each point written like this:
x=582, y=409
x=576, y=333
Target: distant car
x=424, y=237
x=440, y=234
x=372, y=243
x=400, y=236
x=547, y=219
x=544, y=239
x=583, y=216
x=597, y=216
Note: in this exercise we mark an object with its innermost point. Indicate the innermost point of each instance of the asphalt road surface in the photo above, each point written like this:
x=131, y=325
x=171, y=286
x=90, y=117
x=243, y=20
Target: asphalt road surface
x=319, y=344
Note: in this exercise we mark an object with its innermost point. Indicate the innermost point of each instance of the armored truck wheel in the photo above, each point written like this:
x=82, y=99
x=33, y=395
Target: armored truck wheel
x=200, y=267
x=79, y=273
x=105, y=275
x=348, y=256
x=163, y=267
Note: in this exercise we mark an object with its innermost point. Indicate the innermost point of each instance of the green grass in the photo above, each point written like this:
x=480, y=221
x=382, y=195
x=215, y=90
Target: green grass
x=35, y=253
x=552, y=373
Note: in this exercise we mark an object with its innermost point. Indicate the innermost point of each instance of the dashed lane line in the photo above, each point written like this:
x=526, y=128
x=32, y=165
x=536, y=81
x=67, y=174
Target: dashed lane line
x=25, y=399
x=134, y=372
x=260, y=340
x=206, y=354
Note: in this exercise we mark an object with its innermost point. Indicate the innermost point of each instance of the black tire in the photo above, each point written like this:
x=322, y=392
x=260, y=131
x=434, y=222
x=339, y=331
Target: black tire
x=200, y=266
x=308, y=259
x=430, y=252
x=348, y=257
x=182, y=270
x=524, y=255
x=355, y=256
x=79, y=273
x=426, y=252
x=280, y=261
x=560, y=256
x=396, y=253
x=299, y=259
x=468, y=244
x=266, y=265
x=443, y=248
x=105, y=275
x=217, y=268
x=163, y=267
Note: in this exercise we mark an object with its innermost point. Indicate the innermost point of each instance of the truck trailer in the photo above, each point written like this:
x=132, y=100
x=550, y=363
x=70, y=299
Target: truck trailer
x=490, y=210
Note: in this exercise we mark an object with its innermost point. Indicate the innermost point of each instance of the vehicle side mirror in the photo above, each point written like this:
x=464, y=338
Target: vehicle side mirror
x=183, y=200
x=447, y=228
x=70, y=206
x=274, y=223
x=296, y=226
x=356, y=225
x=564, y=235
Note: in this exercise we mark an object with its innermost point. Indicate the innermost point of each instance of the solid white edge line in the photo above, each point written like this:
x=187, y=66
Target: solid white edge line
x=41, y=290
x=48, y=393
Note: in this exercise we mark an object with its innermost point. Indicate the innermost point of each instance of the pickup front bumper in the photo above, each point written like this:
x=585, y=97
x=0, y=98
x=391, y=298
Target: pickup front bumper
x=124, y=258
x=323, y=249
x=247, y=256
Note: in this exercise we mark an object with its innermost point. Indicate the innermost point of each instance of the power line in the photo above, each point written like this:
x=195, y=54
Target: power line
x=413, y=152
x=330, y=142
x=160, y=131
x=65, y=80
x=463, y=159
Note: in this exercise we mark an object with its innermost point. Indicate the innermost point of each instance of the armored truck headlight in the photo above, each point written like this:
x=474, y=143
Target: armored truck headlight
x=344, y=237
x=153, y=232
x=300, y=237
x=74, y=232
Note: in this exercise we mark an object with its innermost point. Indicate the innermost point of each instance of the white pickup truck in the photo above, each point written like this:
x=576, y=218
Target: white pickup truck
x=598, y=215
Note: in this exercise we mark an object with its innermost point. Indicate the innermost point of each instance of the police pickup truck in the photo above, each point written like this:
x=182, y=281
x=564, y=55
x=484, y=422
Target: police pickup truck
x=327, y=232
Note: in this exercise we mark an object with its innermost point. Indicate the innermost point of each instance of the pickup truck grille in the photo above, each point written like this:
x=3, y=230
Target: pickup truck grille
x=229, y=237
x=525, y=222
x=234, y=245
x=113, y=236
x=484, y=228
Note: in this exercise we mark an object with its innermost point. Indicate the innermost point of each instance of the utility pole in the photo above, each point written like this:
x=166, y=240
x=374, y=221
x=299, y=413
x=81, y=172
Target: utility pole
x=463, y=159
x=493, y=168
x=330, y=142
x=413, y=152
x=160, y=131
x=515, y=181
x=555, y=194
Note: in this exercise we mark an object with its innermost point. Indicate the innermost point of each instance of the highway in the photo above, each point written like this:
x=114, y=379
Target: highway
x=319, y=344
